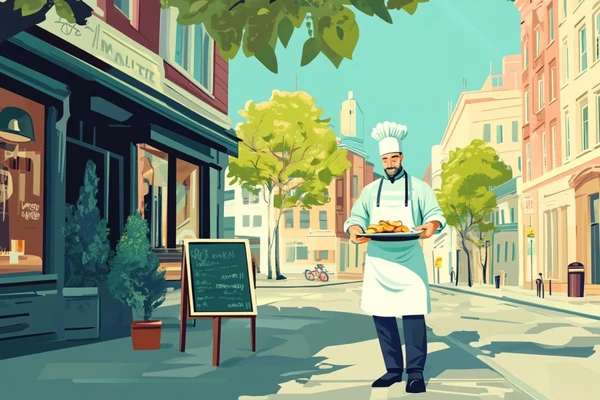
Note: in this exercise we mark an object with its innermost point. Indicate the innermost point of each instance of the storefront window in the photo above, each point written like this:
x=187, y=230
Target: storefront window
x=21, y=184
x=152, y=192
x=187, y=201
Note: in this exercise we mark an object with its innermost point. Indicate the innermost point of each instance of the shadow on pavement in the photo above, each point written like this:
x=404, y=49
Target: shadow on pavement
x=288, y=341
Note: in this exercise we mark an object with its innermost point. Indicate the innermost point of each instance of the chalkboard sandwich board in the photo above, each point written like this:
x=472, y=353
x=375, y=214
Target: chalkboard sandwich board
x=217, y=282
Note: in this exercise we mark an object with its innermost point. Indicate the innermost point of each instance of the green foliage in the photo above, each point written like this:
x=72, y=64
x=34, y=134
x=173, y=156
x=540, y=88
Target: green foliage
x=288, y=148
x=87, y=248
x=63, y=8
x=256, y=26
x=134, y=278
x=467, y=179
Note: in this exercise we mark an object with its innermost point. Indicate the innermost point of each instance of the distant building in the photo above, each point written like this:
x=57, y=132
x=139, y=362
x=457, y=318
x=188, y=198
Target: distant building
x=561, y=141
x=504, y=245
x=494, y=114
x=245, y=217
x=316, y=236
x=351, y=124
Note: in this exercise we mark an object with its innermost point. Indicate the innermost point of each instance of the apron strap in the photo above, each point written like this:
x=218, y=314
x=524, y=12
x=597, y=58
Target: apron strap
x=379, y=192
x=405, y=189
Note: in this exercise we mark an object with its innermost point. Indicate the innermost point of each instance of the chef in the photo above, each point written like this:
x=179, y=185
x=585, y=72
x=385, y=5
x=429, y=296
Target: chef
x=395, y=276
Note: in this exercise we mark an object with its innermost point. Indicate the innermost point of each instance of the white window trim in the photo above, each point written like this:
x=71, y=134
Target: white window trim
x=567, y=137
x=168, y=26
x=525, y=55
x=528, y=160
x=552, y=30
x=567, y=70
x=582, y=49
x=544, y=153
x=527, y=106
x=552, y=85
x=585, y=106
x=553, y=138
x=538, y=44
x=597, y=36
x=540, y=94
x=597, y=119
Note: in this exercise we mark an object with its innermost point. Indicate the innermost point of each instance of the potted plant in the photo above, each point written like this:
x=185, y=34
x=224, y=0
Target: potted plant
x=135, y=280
x=87, y=250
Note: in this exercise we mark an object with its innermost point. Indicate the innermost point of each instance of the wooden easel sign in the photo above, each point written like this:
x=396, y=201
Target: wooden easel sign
x=217, y=281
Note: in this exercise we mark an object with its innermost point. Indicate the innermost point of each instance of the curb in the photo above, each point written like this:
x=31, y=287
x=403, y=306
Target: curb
x=517, y=301
x=305, y=286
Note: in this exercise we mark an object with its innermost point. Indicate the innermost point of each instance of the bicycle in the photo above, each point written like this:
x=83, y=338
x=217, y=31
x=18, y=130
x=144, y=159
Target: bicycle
x=319, y=272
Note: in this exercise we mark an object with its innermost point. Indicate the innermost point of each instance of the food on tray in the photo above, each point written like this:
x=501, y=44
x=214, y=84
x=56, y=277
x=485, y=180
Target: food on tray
x=388, y=227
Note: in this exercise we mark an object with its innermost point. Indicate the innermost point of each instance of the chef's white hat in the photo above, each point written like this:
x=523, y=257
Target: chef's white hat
x=390, y=136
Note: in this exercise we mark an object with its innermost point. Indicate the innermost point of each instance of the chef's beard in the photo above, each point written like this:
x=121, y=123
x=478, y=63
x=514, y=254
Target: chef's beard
x=392, y=171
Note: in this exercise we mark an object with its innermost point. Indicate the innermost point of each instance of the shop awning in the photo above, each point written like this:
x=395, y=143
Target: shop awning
x=146, y=96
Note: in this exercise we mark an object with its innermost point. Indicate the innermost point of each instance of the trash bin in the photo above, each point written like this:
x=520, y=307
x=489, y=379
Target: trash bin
x=576, y=276
x=497, y=281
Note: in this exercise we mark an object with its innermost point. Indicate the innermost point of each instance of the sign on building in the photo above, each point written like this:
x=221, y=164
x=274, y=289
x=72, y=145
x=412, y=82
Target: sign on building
x=528, y=205
x=108, y=44
x=530, y=232
x=438, y=262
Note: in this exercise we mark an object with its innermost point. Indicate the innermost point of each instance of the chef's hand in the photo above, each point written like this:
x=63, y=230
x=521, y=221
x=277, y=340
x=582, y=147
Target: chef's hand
x=428, y=229
x=354, y=230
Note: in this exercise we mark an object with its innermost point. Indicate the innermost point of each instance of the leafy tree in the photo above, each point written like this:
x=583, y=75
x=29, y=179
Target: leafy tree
x=466, y=197
x=19, y=15
x=87, y=247
x=257, y=25
x=134, y=277
x=289, y=153
x=254, y=25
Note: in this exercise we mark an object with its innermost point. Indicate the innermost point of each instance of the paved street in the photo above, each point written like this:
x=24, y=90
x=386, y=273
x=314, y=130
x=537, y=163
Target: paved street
x=315, y=343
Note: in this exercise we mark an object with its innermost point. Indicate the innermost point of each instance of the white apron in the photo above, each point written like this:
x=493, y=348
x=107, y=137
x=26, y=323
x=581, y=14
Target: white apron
x=395, y=276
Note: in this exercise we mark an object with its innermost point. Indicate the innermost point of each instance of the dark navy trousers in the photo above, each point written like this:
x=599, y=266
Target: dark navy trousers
x=415, y=340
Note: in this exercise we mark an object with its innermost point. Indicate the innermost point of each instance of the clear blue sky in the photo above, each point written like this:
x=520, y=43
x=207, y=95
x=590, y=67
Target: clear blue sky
x=406, y=72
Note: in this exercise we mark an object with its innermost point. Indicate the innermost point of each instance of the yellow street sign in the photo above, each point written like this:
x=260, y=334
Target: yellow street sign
x=438, y=262
x=530, y=232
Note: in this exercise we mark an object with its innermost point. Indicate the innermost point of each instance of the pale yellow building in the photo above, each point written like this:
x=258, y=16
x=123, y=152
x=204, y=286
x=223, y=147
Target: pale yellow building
x=561, y=192
x=494, y=114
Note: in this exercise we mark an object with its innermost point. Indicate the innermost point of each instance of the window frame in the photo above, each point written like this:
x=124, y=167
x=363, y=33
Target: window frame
x=323, y=220
x=131, y=10
x=544, y=153
x=528, y=160
x=567, y=136
x=551, y=32
x=525, y=55
x=304, y=213
x=585, y=126
x=515, y=131
x=538, y=42
x=246, y=221
x=257, y=217
x=499, y=134
x=487, y=133
x=526, y=101
x=598, y=119
x=583, y=61
x=540, y=95
x=552, y=85
x=168, y=44
x=597, y=36
x=288, y=219
x=553, y=139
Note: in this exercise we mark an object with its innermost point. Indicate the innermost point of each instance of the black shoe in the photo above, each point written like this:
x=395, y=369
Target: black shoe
x=281, y=277
x=415, y=385
x=388, y=379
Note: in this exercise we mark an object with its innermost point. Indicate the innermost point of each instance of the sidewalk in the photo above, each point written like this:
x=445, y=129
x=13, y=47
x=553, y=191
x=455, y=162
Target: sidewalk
x=588, y=306
x=299, y=281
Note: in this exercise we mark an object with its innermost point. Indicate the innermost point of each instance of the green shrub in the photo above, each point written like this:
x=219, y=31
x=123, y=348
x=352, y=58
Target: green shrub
x=87, y=248
x=134, y=278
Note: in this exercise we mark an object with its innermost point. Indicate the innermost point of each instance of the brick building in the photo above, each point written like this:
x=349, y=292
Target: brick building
x=143, y=98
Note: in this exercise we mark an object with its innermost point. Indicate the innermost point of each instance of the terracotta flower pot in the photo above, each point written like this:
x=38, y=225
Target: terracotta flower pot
x=145, y=335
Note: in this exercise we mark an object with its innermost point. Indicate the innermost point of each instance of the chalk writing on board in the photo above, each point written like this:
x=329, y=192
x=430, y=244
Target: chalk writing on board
x=220, y=277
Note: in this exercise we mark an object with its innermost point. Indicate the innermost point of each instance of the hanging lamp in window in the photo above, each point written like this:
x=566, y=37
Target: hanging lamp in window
x=16, y=125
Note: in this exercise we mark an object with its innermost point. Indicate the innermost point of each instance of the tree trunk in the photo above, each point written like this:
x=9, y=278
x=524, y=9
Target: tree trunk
x=270, y=210
x=469, y=272
x=485, y=261
x=277, y=265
